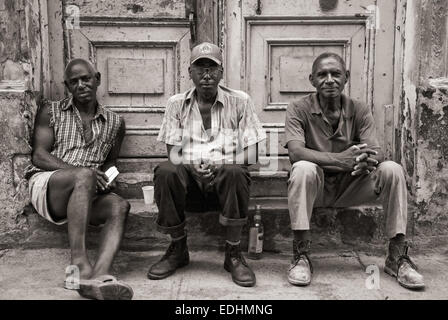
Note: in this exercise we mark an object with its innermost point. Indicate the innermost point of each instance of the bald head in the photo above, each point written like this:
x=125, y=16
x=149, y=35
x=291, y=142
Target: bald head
x=76, y=62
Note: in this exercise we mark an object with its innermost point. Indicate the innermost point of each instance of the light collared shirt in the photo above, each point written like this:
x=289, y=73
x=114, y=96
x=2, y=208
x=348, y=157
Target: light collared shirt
x=70, y=144
x=234, y=126
x=305, y=122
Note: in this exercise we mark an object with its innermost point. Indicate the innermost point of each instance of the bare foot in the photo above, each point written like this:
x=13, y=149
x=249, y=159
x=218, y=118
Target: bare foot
x=97, y=273
x=85, y=269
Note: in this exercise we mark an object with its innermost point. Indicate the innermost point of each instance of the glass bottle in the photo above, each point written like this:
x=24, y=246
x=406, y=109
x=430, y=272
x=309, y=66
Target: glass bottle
x=256, y=234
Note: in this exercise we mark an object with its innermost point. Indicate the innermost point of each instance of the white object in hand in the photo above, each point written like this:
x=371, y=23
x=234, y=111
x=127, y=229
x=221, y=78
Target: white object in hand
x=111, y=174
x=148, y=194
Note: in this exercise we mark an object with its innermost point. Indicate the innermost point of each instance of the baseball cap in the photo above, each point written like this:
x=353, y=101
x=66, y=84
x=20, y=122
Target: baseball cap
x=208, y=51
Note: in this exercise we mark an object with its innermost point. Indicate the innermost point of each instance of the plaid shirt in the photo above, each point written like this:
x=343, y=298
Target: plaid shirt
x=234, y=126
x=69, y=142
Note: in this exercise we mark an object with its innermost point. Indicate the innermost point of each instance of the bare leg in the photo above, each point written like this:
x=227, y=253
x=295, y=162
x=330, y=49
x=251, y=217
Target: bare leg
x=70, y=195
x=112, y=210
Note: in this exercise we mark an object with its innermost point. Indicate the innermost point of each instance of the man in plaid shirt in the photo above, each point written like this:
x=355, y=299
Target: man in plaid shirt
x=75, y=141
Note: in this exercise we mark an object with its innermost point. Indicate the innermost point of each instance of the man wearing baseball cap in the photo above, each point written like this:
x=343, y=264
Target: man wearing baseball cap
x=211, y=133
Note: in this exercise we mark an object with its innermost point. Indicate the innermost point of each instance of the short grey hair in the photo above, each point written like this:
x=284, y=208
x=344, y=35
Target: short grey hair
x=328, y=55
x=76, y=61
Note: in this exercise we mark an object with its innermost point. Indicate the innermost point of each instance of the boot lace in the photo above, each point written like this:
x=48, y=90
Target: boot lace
x=235, y=253
x=301, y=250
x=169, y=251
x=402, y=258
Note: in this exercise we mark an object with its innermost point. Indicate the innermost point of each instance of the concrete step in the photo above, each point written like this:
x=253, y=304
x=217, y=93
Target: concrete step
x=357, y=227
x=360, y=226
x=203, y=228
x=141, y=140
x=264, y=184
x=265, y=163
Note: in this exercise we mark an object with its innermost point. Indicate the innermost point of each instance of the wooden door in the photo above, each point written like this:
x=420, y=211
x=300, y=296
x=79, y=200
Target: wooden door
x=142, y=50
x=270, y=46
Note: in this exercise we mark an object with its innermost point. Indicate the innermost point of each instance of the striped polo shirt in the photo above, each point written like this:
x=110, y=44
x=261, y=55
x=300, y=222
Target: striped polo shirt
x=70, y=144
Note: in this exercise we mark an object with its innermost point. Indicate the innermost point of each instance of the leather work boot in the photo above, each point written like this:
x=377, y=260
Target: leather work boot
x=300, y=270
x=398, y=264
x=176, y=256
x=235, y=263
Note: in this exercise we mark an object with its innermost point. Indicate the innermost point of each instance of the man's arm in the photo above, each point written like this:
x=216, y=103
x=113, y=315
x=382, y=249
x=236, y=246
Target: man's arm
x=111, y=160
x=251, y=154
x=366, y=163
x=43, y=140
x=295, y=137
x=338, y=162
x=174, y=153
x=112, y=157
x=251, y=133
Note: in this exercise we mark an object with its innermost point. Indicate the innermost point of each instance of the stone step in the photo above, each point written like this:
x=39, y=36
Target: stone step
x=277, y=204
x=357, y=227
x=203, y=228
x=264, y=184
x=147, y=165
x=140, y=140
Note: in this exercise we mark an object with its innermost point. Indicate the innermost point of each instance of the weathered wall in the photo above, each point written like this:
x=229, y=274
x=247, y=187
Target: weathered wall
x=17, y=112
x=423, y=122
x=431, y=162
x=14, y=52
x=20, y=73
x=22, y=43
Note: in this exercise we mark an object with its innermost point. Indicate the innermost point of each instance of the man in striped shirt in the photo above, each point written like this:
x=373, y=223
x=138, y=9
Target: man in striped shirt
x=75, y=141
x=211, y=133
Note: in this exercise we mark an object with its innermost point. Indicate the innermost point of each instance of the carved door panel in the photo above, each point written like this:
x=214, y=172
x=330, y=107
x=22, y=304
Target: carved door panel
x=142, y=50
x=270, y=46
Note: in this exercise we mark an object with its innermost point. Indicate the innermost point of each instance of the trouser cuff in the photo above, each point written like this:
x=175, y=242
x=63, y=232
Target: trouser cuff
x=170, y=230
x=232, y=222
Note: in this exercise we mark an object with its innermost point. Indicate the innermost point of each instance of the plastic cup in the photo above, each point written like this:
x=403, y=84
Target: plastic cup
x=148, y=194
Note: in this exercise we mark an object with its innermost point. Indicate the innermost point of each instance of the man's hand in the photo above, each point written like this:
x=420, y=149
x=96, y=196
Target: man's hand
x=214, y=167
x=348, y=158
x=200, y=170
x=365, y=164
x=101, y=181
x=206, y=170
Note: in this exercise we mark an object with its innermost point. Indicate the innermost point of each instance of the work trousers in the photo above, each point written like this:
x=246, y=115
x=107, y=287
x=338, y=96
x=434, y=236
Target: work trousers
x=173, y=185
x=309, y=187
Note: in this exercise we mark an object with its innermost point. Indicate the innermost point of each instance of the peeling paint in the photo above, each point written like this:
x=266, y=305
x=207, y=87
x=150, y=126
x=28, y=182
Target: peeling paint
x=432, y=158
x=134, y=8
x=17, y=112
x=327, y=5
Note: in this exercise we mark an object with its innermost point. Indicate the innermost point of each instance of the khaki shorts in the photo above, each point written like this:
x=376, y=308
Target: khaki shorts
x=38, y=186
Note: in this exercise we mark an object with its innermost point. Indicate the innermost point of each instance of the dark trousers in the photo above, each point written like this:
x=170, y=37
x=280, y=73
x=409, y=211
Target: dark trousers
x=175, y=185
